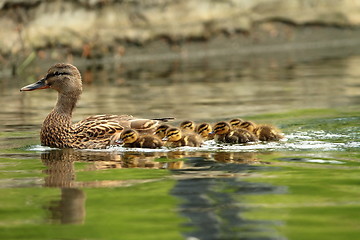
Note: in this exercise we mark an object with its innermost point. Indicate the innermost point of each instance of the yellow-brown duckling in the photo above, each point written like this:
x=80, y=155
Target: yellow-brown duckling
x=160, y=131
x=268, y=133
x=225, y=133
x=188, y=125
x=205, y=131
x=132, y=139
x=264, y=132
x=175, y=137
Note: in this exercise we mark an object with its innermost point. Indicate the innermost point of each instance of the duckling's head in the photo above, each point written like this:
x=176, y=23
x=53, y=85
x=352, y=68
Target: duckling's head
x=129, y=136
x=173, y=134
x=204, y=129
x=248, y=125
x=235, y=123
x=63, y=77
x=222, y=128
x=187, y=125
x=161, y=130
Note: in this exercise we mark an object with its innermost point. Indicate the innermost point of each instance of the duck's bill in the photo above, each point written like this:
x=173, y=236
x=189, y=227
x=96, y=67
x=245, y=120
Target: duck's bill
x=35, y=86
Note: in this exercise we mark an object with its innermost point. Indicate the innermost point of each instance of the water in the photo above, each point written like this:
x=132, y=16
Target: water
x=303, y=187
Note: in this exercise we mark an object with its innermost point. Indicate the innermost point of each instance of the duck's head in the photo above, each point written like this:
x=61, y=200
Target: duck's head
x=62, y=77
x=187, y=125
x=235, y=123
x=204, y=129
x=173, y=135
x=248, y=125
x=222, y=128
x=161, y=130
x=129, y=136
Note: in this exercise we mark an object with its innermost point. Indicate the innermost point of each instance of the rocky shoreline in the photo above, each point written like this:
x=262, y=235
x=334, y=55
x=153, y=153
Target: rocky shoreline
x=135, y=30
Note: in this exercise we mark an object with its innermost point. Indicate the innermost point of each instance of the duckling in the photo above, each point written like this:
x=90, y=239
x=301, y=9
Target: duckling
x=205, y=131
x=132, y=139
x=161, y=130
x=224, y=133
x=264, y=132
x=177, y=138
x=236, y=122
x=268, y=133
x=188, y=125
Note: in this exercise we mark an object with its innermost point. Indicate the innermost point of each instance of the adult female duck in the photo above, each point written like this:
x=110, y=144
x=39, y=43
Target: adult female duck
x=98, y=131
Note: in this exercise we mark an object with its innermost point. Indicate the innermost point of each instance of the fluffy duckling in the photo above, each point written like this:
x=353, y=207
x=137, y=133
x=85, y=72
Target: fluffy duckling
x=131, y=138
x=236, y=122
x=205, y=131
x=264, y=132
x=188, y=126
x=268, y=133
x=175, y=137
x=160, y=131
x=224, y=133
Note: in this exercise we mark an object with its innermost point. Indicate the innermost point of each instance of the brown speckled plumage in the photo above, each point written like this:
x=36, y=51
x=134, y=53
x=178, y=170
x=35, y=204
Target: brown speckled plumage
x=99, y=131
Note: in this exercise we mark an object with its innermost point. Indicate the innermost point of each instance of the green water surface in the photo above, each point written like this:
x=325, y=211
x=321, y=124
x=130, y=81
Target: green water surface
x=307, y=187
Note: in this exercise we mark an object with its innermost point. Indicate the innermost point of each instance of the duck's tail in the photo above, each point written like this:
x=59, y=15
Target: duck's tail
x=165, y=119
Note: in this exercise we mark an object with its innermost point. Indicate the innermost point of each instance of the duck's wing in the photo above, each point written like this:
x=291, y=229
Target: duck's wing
x=145, y=126
x=100, y=131
x=97, y=131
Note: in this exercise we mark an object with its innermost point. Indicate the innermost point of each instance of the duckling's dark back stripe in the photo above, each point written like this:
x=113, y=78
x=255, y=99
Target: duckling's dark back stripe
x=219, y=126
x=246, y=124
x=202, y=128
x=172, y=132
x=128, y=133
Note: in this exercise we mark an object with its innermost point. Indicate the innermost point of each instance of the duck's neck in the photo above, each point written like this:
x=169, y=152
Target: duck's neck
x=56, y=130
x=65, y=104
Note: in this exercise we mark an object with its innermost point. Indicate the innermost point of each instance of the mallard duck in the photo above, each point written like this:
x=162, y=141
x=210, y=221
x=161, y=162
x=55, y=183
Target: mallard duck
x=175, y=137
x=131, y=138
x=264, y=132
x=97, y=131
x=188, y=125
x=224, y=133
x=161, y=130
x=205, y=131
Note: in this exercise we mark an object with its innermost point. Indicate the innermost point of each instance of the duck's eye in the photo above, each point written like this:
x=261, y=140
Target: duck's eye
x=54, y=74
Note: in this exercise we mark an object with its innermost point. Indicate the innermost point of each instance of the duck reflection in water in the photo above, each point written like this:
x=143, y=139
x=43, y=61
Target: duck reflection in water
x=236, y=157
x=70, y=208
